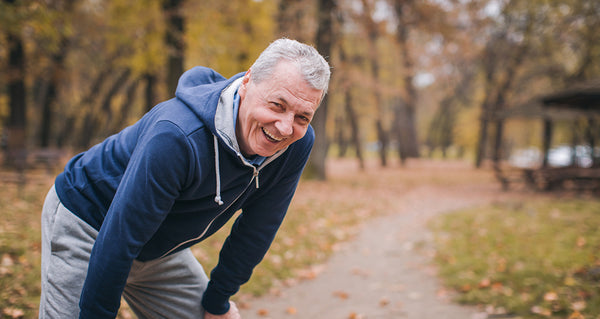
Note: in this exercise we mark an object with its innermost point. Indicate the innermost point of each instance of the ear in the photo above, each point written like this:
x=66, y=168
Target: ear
x=243, y=86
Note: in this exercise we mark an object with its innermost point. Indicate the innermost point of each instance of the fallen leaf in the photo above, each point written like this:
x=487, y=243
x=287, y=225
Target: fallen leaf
x=291, y=310
x=576, y=315
x=578, y=305
x=580, y=241
x=551, y=296
x=360, y=272
x=570, y=281
x=243, y=305
x=354, y=315
x=484, y=283
x=341, y=294
x=13, y=312
x=541, y=311
x=7, y=261
x=497, y=286
x=263, y=312
x=384, y=302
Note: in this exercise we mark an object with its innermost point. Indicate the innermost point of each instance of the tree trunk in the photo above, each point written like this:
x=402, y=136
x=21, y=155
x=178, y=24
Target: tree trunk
x=397, y=131
x=372, y=29
x=340, y=137
x=497, y=155
x=290, y=16
x=408, y=132
x=92, y=124
x=57, y=67
x=383, y=138
x=482, y=141
x=105, y=106
x=351, y=115
x=149, y=95
x=125, y=108
x=174, y=42
x=17, y=120
x=353, y=119
x=316, y=165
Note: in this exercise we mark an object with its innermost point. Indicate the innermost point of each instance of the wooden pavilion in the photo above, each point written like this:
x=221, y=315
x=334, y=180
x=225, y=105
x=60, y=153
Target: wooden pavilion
x=577, y=103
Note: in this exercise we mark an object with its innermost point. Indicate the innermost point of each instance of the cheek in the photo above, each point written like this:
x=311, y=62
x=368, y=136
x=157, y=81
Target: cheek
x=299, y=132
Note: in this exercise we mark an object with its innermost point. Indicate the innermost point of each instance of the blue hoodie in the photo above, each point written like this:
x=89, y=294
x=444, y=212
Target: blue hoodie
x=173, y=179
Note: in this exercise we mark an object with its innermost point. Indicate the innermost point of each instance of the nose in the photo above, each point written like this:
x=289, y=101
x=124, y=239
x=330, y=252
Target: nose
x=285, y=125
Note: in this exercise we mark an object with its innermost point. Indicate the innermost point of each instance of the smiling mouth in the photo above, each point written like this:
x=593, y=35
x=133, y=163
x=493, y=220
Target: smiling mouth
x=270, y=136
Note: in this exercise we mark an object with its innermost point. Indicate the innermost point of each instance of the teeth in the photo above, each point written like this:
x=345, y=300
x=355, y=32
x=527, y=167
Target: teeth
x=271, y=136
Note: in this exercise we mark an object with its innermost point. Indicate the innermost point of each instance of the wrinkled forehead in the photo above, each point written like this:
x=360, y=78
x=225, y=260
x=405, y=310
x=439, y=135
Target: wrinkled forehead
x=287, y=84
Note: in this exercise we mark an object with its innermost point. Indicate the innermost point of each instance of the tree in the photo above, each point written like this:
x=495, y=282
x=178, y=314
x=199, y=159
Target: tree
x=174, y=41
x=372, y=29
x=324, y=41
x=351, y=115
x=54, y=77
x=293, y=16
x=17, y=121
x=405, y=108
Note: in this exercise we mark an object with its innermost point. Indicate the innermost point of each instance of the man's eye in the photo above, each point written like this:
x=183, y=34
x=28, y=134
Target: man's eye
x=304, y=119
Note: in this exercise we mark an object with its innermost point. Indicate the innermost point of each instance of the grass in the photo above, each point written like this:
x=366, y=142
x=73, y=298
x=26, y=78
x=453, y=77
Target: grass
x=317, y=221
x=20, y=249
x=533, y=259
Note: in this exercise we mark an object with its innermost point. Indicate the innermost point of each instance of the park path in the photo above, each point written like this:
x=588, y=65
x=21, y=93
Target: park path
x=386, y=271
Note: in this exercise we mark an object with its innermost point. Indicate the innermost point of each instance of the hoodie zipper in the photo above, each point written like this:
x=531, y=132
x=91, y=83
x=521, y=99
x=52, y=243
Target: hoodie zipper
x=254, y=177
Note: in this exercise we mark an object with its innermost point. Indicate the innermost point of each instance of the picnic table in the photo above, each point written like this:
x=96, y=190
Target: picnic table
x=554, y=178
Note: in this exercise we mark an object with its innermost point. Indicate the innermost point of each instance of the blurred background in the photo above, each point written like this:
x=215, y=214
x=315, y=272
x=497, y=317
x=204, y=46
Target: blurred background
x=435, y=78
x=431, y=103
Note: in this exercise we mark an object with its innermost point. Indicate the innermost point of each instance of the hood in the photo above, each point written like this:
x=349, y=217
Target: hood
x=210, y=96
x=200, y=89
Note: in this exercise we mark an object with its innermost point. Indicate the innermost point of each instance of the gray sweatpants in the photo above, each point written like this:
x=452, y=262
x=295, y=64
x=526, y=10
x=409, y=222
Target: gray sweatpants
x=170, y=287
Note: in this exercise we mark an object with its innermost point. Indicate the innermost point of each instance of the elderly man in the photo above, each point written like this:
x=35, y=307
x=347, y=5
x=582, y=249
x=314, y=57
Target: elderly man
x=120, y=219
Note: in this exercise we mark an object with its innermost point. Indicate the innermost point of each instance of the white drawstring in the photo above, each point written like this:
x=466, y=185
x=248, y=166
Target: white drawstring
x=217, y=172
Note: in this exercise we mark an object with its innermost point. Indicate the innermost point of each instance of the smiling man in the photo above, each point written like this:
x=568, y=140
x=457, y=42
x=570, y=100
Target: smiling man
x=120, y=219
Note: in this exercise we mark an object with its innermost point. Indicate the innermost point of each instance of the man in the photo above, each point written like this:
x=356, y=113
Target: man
x=120, y=219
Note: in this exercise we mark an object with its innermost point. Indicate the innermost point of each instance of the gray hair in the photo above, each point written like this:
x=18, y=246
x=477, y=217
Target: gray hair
x=311, y=64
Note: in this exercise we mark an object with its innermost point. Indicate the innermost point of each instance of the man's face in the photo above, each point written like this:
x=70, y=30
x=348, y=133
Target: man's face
x=275, y=112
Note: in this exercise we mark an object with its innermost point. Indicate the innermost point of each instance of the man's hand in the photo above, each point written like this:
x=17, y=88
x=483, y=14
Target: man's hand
x=233, y=313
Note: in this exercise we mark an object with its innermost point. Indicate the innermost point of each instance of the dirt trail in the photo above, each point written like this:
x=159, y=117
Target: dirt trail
x=386, y=271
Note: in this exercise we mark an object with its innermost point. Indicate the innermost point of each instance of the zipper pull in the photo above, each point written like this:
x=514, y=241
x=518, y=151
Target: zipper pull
x=255, y=175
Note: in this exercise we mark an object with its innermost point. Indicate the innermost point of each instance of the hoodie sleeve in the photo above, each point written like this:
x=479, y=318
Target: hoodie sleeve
x=254, y=231
x=154, y=176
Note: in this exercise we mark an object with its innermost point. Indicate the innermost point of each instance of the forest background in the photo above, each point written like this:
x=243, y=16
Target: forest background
x=410, y=78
